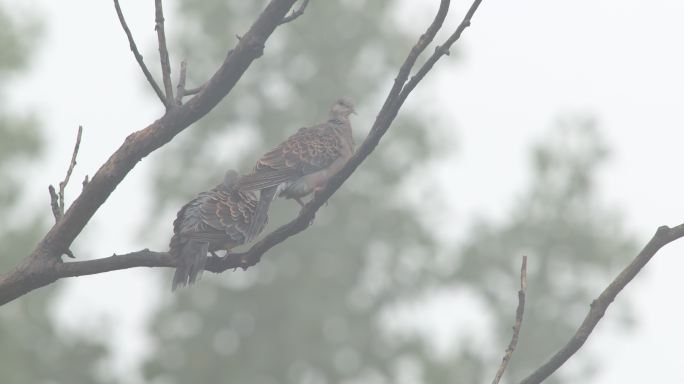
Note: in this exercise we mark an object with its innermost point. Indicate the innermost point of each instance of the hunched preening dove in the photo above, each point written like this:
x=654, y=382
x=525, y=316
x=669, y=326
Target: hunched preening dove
x=217, y=219
x=303, y=163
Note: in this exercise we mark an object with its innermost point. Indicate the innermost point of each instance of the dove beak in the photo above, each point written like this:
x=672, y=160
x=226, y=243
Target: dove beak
x=354, y=112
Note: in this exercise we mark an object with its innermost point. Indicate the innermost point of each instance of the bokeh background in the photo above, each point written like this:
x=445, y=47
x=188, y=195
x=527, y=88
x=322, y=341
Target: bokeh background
x=553, y=130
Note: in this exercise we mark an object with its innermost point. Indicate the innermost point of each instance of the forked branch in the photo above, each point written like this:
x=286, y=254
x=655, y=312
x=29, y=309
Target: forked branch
x=163, y=51
x=138, y=56
x=57, y=199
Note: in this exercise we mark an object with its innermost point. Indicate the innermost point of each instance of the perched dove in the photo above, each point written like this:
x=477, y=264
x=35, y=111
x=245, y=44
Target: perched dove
x=214, y=220
x=303, y=163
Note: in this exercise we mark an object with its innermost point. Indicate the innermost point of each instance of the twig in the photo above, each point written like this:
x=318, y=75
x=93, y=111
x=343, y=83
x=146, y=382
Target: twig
x=181, y=92
x=664, y=235
x=518, y=322
x=440, y=51
x=54, y=203
x=57, y=199
x=180, y=88
x=424, y=40
x=295, y=13
x=163, y=51
x=194, y=91
x=138, y=56
x=72, y=164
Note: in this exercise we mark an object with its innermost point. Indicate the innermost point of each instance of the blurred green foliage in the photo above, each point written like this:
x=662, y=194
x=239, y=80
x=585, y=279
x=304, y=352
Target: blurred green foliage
x=311, y=311
x=32, y=349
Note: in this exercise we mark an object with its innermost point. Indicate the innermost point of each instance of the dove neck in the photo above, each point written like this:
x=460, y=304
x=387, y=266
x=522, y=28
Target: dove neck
x=340, y=125
x=338, y=119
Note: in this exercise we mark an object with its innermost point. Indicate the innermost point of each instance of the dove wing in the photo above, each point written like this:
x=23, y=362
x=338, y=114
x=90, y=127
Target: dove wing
x=229, y=213
x=309, y=150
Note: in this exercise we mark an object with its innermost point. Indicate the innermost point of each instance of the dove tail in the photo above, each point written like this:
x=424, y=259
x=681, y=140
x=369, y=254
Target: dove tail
x=261, y=215
x=190, y=262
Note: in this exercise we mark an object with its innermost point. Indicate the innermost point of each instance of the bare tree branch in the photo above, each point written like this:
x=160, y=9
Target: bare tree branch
x=181, y=92
x=138, y=56
x=39, y=268
x=424, y=40
x=57, y=199
x=663, y=236
x=518, y=322
x=144, y=258
x=180, y=88
x=439, y=52
x=163, y=52
x=72, y=164
x=296, y=13
x=54, y=203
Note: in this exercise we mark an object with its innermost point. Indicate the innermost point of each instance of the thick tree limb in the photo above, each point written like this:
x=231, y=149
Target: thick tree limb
x=138, y=56
x=39, y=268
x=163, y=51
x=517, y=325
x=663, y=236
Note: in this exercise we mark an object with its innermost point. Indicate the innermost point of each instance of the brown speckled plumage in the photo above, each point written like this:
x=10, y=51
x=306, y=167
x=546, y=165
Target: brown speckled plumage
x=303, y=163
x=218, y=219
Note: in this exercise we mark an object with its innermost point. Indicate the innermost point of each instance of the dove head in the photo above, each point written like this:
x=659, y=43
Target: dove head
x=342, y=108
x=230, y=179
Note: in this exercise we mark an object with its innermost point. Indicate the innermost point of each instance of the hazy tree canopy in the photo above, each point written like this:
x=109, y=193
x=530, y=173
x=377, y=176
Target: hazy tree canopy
x=32, y=349
x=311, y=310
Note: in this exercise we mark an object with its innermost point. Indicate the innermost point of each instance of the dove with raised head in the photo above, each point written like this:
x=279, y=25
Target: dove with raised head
x=303, y=163
x=218, y=219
